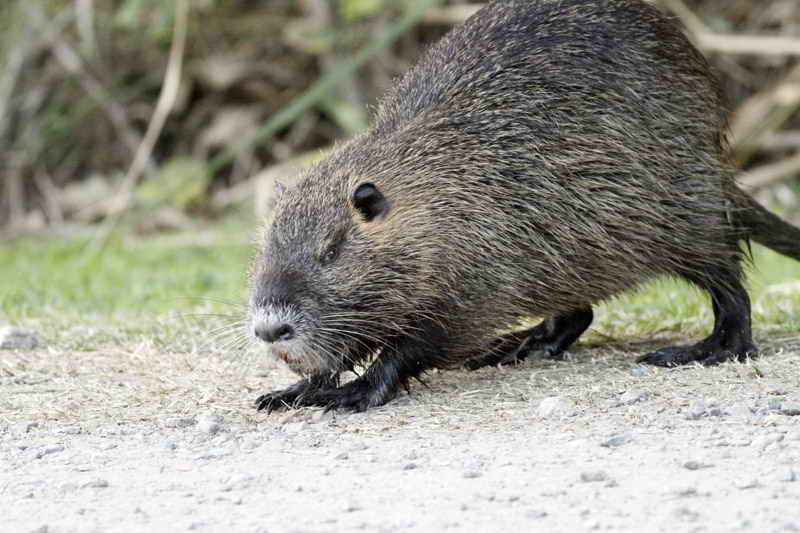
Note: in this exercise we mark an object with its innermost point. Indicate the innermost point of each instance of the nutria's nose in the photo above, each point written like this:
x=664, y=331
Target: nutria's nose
x=274, y=331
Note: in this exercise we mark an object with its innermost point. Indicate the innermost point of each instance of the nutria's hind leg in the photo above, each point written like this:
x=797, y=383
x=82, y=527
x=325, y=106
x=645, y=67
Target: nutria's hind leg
x=731, y=338
x=550, y=338
x=295, y=395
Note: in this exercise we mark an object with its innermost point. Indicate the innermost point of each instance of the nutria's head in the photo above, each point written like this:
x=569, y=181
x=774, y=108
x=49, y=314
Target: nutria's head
x=334, y=277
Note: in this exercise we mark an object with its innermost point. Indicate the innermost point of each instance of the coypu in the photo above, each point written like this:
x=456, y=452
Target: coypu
x=543, y=156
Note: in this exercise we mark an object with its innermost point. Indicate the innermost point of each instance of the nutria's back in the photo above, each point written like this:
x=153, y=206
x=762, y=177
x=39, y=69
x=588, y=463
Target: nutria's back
x=542, y=157
x=582, y=56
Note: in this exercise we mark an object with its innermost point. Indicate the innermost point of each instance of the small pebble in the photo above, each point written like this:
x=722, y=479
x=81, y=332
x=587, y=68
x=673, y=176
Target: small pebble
x=740, y=410
x=178, y=422
x=617, y=440
x=695, y=465
x=791, y=409
x=633, y=396
x=351, y=507
x=96, y=484
x=774, y=404
x=209, y=424
x=639, y=371
x=472, y=474
x=213, y=453
x=788, y=476
x=593, y=477
x=697, y=410
x=747, y=484
x=552, y=406
x=50, y=449
x=410, y=466
x=685, y=514
x=168, y=445
x=12, y=338
x=342, y=456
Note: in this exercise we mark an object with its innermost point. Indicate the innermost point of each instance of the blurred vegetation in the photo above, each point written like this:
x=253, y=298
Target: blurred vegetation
x=79, y=81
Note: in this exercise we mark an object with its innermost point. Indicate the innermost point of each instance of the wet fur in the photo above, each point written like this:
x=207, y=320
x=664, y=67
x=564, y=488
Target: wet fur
x=540, y=158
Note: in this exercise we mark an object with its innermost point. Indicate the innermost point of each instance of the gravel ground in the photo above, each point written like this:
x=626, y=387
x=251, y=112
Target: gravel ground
x=138, y=439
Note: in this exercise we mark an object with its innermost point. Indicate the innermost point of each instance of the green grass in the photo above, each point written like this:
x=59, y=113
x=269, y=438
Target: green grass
x=144, y=289
x=668, y=307
x=138, y=287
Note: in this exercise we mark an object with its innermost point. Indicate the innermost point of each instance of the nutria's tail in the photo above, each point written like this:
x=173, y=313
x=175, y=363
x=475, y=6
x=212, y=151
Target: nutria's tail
x=765, y=228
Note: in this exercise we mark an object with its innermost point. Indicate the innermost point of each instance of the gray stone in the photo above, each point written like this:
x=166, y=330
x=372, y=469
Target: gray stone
x=213, y=453
x=617, y=440
x=12, y=338
x=210, y=424
x=697, y=410
x=48, y=450
x=695, y=465
x=594, y=476
x=179, y=422
x=553, y=406
x=791, y=409
x=634, y=396
x=747, y=484
x=96, y=484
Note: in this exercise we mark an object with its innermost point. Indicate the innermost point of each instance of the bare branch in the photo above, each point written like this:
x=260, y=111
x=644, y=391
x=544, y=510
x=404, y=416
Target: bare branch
x=764, y=112
x=765, y=175
x=732, y=44
x=166, y=101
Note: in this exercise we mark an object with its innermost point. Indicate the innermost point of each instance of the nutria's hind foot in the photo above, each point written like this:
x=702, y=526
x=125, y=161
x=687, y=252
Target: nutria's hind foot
x=703, y=352
x=547, y=340
x=731, y=339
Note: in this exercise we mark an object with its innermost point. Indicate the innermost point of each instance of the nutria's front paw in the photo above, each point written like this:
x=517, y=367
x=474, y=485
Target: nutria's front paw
x=357, y=396
x=295, y=396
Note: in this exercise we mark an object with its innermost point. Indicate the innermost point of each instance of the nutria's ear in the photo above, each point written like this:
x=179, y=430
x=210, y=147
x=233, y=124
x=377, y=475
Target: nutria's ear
x=370, y=202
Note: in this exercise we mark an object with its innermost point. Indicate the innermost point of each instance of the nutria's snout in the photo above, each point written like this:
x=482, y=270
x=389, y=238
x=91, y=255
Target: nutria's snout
x=272, y=331
x=284, y=331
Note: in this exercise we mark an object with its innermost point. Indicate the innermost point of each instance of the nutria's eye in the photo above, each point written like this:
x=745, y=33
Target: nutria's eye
x=330, y=254
x=370, y=202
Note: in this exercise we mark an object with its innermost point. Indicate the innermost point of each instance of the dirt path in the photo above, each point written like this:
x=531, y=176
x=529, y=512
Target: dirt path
x=133, y=440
